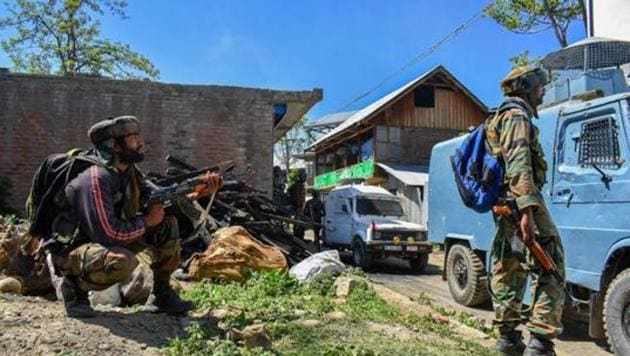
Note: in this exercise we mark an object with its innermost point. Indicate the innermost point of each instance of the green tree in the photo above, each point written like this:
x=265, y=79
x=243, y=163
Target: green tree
x=533, y=16
x=524, y=59
x=64, y=37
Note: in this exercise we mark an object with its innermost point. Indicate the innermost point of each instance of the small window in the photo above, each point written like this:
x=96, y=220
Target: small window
x=599, y=144
x=424, y=96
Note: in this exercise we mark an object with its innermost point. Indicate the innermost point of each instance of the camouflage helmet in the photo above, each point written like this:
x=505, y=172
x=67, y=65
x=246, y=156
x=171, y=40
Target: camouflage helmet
x=522, y=79
x=113, y=128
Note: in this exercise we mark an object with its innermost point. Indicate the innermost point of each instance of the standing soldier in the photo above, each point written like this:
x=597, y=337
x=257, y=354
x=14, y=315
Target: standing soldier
x=512, y=136
x=314, y=209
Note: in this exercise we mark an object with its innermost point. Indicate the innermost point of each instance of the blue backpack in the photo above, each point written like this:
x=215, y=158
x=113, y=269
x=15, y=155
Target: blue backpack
x=478, y=174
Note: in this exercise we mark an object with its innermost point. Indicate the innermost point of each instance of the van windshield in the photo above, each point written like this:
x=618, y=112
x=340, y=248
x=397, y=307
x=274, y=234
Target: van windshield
x=367, y=206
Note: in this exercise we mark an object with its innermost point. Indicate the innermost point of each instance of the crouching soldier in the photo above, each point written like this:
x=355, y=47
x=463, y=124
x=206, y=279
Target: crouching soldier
x=94, y=245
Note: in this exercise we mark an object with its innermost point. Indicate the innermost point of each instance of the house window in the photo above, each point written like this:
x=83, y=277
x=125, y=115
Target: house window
x=424, y=96
x=388, y=143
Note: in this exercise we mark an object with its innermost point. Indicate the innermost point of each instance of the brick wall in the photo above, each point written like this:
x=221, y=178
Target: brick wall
x=40, y=115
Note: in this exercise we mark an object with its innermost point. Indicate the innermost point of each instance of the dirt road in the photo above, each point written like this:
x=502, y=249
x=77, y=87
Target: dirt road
x=395, y=274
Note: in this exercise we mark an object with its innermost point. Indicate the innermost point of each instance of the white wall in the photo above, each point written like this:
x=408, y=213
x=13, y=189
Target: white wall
x=611, y=18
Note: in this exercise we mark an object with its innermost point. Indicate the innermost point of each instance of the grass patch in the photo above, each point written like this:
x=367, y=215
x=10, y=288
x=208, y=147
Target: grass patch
x=281, y=303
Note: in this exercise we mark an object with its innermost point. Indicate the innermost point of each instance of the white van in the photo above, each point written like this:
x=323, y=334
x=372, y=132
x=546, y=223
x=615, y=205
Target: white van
x=364, y=218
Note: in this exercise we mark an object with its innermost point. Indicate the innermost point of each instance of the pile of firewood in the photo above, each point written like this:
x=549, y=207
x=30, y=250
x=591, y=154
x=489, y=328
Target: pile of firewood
x=239, y=204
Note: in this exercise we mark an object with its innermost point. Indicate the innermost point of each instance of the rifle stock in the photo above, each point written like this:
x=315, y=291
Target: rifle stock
x=539, y=254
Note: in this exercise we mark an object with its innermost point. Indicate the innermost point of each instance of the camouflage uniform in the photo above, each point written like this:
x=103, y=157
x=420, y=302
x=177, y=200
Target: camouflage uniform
x=512, y=135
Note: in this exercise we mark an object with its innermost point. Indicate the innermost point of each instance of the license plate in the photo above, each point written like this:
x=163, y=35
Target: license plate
x=393, y=248
x=412, y=248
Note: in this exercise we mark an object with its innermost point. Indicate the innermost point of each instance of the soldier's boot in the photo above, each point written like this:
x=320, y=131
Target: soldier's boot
x=539, y=346
x=511, y=343
x=75, y=301
x=163, y=298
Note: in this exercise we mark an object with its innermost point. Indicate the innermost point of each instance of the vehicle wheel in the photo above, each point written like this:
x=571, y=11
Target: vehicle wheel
x=360, y=257
x=617, y=314
x=464, y=273
x=419, y=262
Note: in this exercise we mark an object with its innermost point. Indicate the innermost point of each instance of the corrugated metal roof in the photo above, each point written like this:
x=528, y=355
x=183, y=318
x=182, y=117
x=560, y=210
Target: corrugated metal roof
x=409, y=174
x=379, y=104
x=331, y=119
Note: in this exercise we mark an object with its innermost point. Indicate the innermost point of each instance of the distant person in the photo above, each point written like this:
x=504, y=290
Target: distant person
x=512, y=135
x=315, y=210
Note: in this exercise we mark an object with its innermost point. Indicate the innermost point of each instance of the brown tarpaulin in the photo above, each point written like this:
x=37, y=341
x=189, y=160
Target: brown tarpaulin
x=232, y=252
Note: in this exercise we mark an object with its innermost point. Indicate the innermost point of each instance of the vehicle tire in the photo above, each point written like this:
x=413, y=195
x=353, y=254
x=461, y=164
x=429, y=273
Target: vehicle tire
x=419, y=262
x=465, y=274
x=360, y=256
x=617, y=314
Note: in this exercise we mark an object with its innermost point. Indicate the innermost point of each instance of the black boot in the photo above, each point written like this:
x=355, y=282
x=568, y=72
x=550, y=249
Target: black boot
x=511, y=343
x=75, y=301
x=163, y=298
x=539, y=346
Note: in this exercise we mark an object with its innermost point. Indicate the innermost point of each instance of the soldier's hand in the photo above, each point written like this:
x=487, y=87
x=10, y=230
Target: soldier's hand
x=527, y=225
x=212, y=183
x=155, y=215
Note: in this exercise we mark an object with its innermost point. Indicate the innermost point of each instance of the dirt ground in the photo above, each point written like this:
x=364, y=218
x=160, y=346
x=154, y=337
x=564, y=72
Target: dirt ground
x=37, y=326
x=395, y=274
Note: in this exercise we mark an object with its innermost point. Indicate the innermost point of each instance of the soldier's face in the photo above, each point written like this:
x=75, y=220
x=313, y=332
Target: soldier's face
x=129, y=150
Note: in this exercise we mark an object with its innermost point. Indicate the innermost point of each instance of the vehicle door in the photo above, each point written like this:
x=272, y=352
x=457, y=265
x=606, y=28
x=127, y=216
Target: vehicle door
x=340, y=220
x=591, y=186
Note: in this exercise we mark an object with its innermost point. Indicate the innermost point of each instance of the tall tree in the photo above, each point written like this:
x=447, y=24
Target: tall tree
x=533, y=16
x=64, y=37
x=292, y=143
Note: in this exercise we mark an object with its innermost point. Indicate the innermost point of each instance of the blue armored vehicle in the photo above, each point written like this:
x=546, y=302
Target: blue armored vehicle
x=585, y=133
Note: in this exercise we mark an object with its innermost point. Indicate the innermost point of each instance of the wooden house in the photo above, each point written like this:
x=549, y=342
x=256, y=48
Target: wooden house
x=389, y=142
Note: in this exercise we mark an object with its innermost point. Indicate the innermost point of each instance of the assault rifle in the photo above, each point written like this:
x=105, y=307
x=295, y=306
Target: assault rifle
x=540, y=255
x=168, y=189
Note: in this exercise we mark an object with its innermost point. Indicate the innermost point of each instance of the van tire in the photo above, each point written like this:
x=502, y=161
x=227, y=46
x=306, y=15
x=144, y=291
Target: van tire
x=360, y=256
x=617, y=313
x=465, y=274
x=419, y=262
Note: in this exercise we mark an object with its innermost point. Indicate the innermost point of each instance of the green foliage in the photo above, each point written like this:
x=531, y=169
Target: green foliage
x=364, y=304
x=274, y=298
x=200, y=341
x=63, y=37
x=533, y=16
x=264, y=296
x=424, y=298
x=524, y=59
x=292, y=177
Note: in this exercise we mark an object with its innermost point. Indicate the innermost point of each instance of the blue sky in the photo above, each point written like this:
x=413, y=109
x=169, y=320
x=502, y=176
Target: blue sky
x=345, y=47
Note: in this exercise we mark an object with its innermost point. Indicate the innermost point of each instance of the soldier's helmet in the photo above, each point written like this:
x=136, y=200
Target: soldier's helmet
x=522, y=79
x=113, y=128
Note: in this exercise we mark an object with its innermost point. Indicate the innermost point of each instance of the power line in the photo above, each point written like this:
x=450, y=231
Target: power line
x=422, y=55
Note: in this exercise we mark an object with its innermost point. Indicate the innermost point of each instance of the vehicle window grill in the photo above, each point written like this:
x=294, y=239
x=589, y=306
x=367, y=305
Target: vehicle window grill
x=599, y=144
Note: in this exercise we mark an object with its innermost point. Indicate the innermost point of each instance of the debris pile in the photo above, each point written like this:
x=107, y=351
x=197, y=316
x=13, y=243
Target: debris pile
x=22, y=259
x=239, y=204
